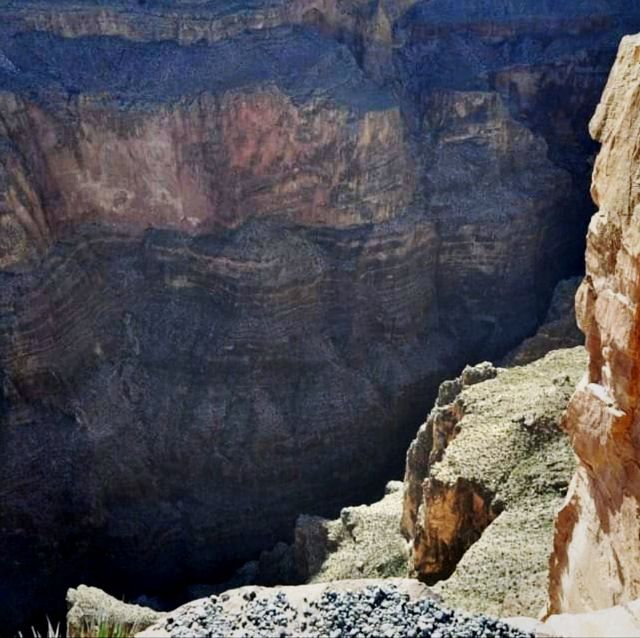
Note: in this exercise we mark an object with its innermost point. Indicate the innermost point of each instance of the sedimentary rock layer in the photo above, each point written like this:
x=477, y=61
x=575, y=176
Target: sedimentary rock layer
x=596, y=560
x=240, y=245
x=559, y=329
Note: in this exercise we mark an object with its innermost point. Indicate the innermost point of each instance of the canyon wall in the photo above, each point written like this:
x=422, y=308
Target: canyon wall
x=596, y=560
x=241, y=244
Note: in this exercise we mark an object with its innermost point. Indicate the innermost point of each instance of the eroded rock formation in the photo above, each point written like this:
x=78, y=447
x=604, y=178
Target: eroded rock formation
x=596, y=560
x=485, y=477
x=364, y=542
x=242, y=243
x=91, y=608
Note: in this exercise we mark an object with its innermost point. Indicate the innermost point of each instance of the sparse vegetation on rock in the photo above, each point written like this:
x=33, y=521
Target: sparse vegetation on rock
x=487, y=496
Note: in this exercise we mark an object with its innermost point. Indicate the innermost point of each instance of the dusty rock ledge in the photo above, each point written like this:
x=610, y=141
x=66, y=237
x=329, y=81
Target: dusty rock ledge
x=484, y=479
x=89, y=607
x=622, y=621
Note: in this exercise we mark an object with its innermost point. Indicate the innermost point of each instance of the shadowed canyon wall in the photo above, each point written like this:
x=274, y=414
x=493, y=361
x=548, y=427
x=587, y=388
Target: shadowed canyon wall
x=596, y=560
x=240, y=245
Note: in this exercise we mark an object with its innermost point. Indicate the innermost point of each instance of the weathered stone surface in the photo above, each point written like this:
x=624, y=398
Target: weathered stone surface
x=364, y=542
x=433, y=437
x=622, y=621
x=241, y=245
x=596, y=559
x=485, y=477
x=90, y=608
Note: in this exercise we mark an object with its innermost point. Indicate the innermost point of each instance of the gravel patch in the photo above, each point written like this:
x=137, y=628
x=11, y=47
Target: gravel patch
x=377, y=610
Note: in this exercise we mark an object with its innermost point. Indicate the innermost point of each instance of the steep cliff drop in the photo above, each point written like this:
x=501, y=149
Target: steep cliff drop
x=596, y=560
x=240, y=245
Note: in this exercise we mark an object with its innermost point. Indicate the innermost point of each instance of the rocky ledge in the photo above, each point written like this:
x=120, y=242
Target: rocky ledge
x=485, y=477
x=364, y=542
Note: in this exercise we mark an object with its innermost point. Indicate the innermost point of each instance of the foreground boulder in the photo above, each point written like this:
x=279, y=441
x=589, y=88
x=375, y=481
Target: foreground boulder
x=91, y=609
x=485, y=477
x=596, y=559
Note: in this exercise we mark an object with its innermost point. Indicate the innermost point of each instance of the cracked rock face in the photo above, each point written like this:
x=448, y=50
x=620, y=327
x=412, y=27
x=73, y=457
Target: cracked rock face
x=241, y=244
x=484, y=479
x=596, y=560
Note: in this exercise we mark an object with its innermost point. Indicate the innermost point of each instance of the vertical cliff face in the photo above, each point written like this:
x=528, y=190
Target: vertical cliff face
x=596, y=560
x=241, y=243
x=213, y=286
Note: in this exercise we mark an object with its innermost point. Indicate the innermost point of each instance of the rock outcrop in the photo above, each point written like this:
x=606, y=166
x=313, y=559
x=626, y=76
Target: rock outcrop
x=596, y=559
x=364, y=542
x=242, y=243
x=485, y=477
x=92, y=611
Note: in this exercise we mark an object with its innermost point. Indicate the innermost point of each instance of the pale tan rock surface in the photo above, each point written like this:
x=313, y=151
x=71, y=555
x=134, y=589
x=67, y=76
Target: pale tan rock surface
x=485, y=477
x=622, y=621
x=596, y=559
x=90, y=607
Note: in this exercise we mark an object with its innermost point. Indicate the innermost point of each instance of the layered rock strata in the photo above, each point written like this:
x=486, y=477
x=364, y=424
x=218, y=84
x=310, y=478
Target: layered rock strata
x=242, y=243
x=559, y=329
x=596, y=559
x=485, y=477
